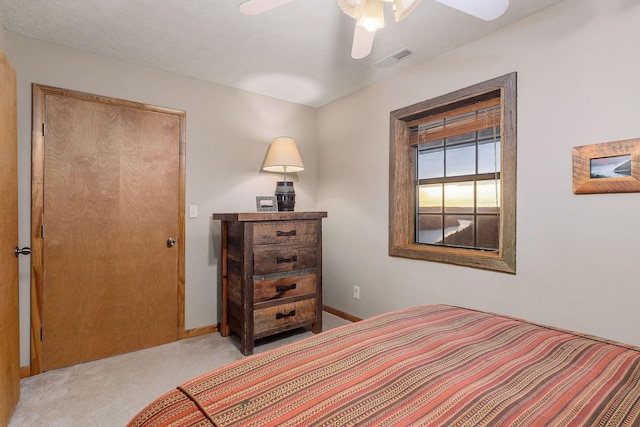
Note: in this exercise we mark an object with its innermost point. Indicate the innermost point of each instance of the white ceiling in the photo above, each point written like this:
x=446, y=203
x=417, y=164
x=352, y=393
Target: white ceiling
x=300, y=52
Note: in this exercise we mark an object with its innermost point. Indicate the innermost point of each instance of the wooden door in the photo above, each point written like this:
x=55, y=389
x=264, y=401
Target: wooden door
x=9, y=323
x=112, y=197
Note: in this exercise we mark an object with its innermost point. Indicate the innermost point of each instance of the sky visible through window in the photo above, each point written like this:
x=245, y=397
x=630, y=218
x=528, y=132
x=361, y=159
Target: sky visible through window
x=458, y=180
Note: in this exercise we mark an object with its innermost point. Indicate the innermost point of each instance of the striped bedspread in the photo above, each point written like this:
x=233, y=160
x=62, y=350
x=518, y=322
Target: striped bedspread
x=432, y=365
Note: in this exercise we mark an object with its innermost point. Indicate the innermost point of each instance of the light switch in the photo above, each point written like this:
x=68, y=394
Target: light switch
x=193, y=211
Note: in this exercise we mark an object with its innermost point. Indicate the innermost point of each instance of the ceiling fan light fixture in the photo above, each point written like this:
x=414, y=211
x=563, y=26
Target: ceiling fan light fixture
x=372, y=15
x=402, y=8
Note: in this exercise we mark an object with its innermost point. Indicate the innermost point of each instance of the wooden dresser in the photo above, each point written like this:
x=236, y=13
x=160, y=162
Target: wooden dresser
x=271, y=273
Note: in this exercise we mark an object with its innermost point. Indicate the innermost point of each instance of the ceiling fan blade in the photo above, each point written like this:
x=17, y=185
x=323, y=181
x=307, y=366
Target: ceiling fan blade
x=487, y=10
x=362, y=42
x=351, y=7
x=254, y=7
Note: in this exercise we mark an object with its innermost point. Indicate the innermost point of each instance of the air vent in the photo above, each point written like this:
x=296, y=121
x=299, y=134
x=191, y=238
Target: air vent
x=394, y=58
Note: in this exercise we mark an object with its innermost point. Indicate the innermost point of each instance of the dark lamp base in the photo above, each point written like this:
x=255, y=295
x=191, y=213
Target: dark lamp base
x=285, y=195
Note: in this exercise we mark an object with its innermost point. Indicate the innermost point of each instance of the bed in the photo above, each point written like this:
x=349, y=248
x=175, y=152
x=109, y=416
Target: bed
x=429, y=365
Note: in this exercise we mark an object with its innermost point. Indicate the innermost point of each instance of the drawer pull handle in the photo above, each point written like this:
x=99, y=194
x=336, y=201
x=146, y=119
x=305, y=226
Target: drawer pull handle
x=286, y=288
x=281, y=260
x=283, y=315
x=285, y=233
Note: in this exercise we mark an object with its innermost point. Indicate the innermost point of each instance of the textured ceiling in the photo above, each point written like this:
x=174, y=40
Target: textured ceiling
x=300, y=52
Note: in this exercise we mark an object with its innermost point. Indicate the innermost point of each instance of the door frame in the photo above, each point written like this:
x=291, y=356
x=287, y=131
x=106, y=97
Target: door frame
x=39, y=92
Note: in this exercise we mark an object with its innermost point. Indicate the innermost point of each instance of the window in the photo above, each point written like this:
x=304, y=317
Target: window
x=453, y=177
x=458, y=197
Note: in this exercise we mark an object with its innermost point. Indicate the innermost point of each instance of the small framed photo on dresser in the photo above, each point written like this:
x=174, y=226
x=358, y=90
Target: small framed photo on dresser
x=266, y=204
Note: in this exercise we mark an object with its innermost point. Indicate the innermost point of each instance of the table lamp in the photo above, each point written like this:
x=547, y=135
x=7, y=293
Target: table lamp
x=283, y=157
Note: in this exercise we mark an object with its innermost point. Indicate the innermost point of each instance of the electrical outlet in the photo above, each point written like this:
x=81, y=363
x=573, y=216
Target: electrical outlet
x=356, y=292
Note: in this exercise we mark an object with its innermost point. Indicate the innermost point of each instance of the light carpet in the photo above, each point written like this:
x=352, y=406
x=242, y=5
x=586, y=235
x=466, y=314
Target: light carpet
x=109, y=392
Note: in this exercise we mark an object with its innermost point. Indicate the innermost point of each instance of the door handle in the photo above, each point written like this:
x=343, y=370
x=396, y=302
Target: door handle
x=171, y=242
x=22, y=251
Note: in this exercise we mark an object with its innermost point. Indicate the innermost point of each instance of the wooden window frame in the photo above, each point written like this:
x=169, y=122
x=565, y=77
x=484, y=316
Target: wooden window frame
x=402, y=221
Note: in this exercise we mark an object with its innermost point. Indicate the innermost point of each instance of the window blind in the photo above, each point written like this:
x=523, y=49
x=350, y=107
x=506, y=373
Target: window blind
x=468, y=118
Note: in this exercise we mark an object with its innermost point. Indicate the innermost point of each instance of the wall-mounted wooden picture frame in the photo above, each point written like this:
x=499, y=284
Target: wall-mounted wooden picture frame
x=266, y=204
x=608, y=167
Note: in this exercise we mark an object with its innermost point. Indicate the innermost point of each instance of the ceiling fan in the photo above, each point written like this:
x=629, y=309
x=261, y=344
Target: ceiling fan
x=369, y=14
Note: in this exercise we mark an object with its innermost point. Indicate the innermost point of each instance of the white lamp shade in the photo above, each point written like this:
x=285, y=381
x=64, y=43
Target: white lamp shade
x=283, y=153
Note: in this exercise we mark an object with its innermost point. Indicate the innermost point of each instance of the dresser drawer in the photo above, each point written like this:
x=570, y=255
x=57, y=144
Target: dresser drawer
x=283, y=287
x=278, y=259
x=285, y=232
x=279, y=317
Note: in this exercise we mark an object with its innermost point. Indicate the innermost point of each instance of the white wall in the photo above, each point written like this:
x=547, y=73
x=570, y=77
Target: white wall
x=228, y=132
x=3, y=39
x=577, y=255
